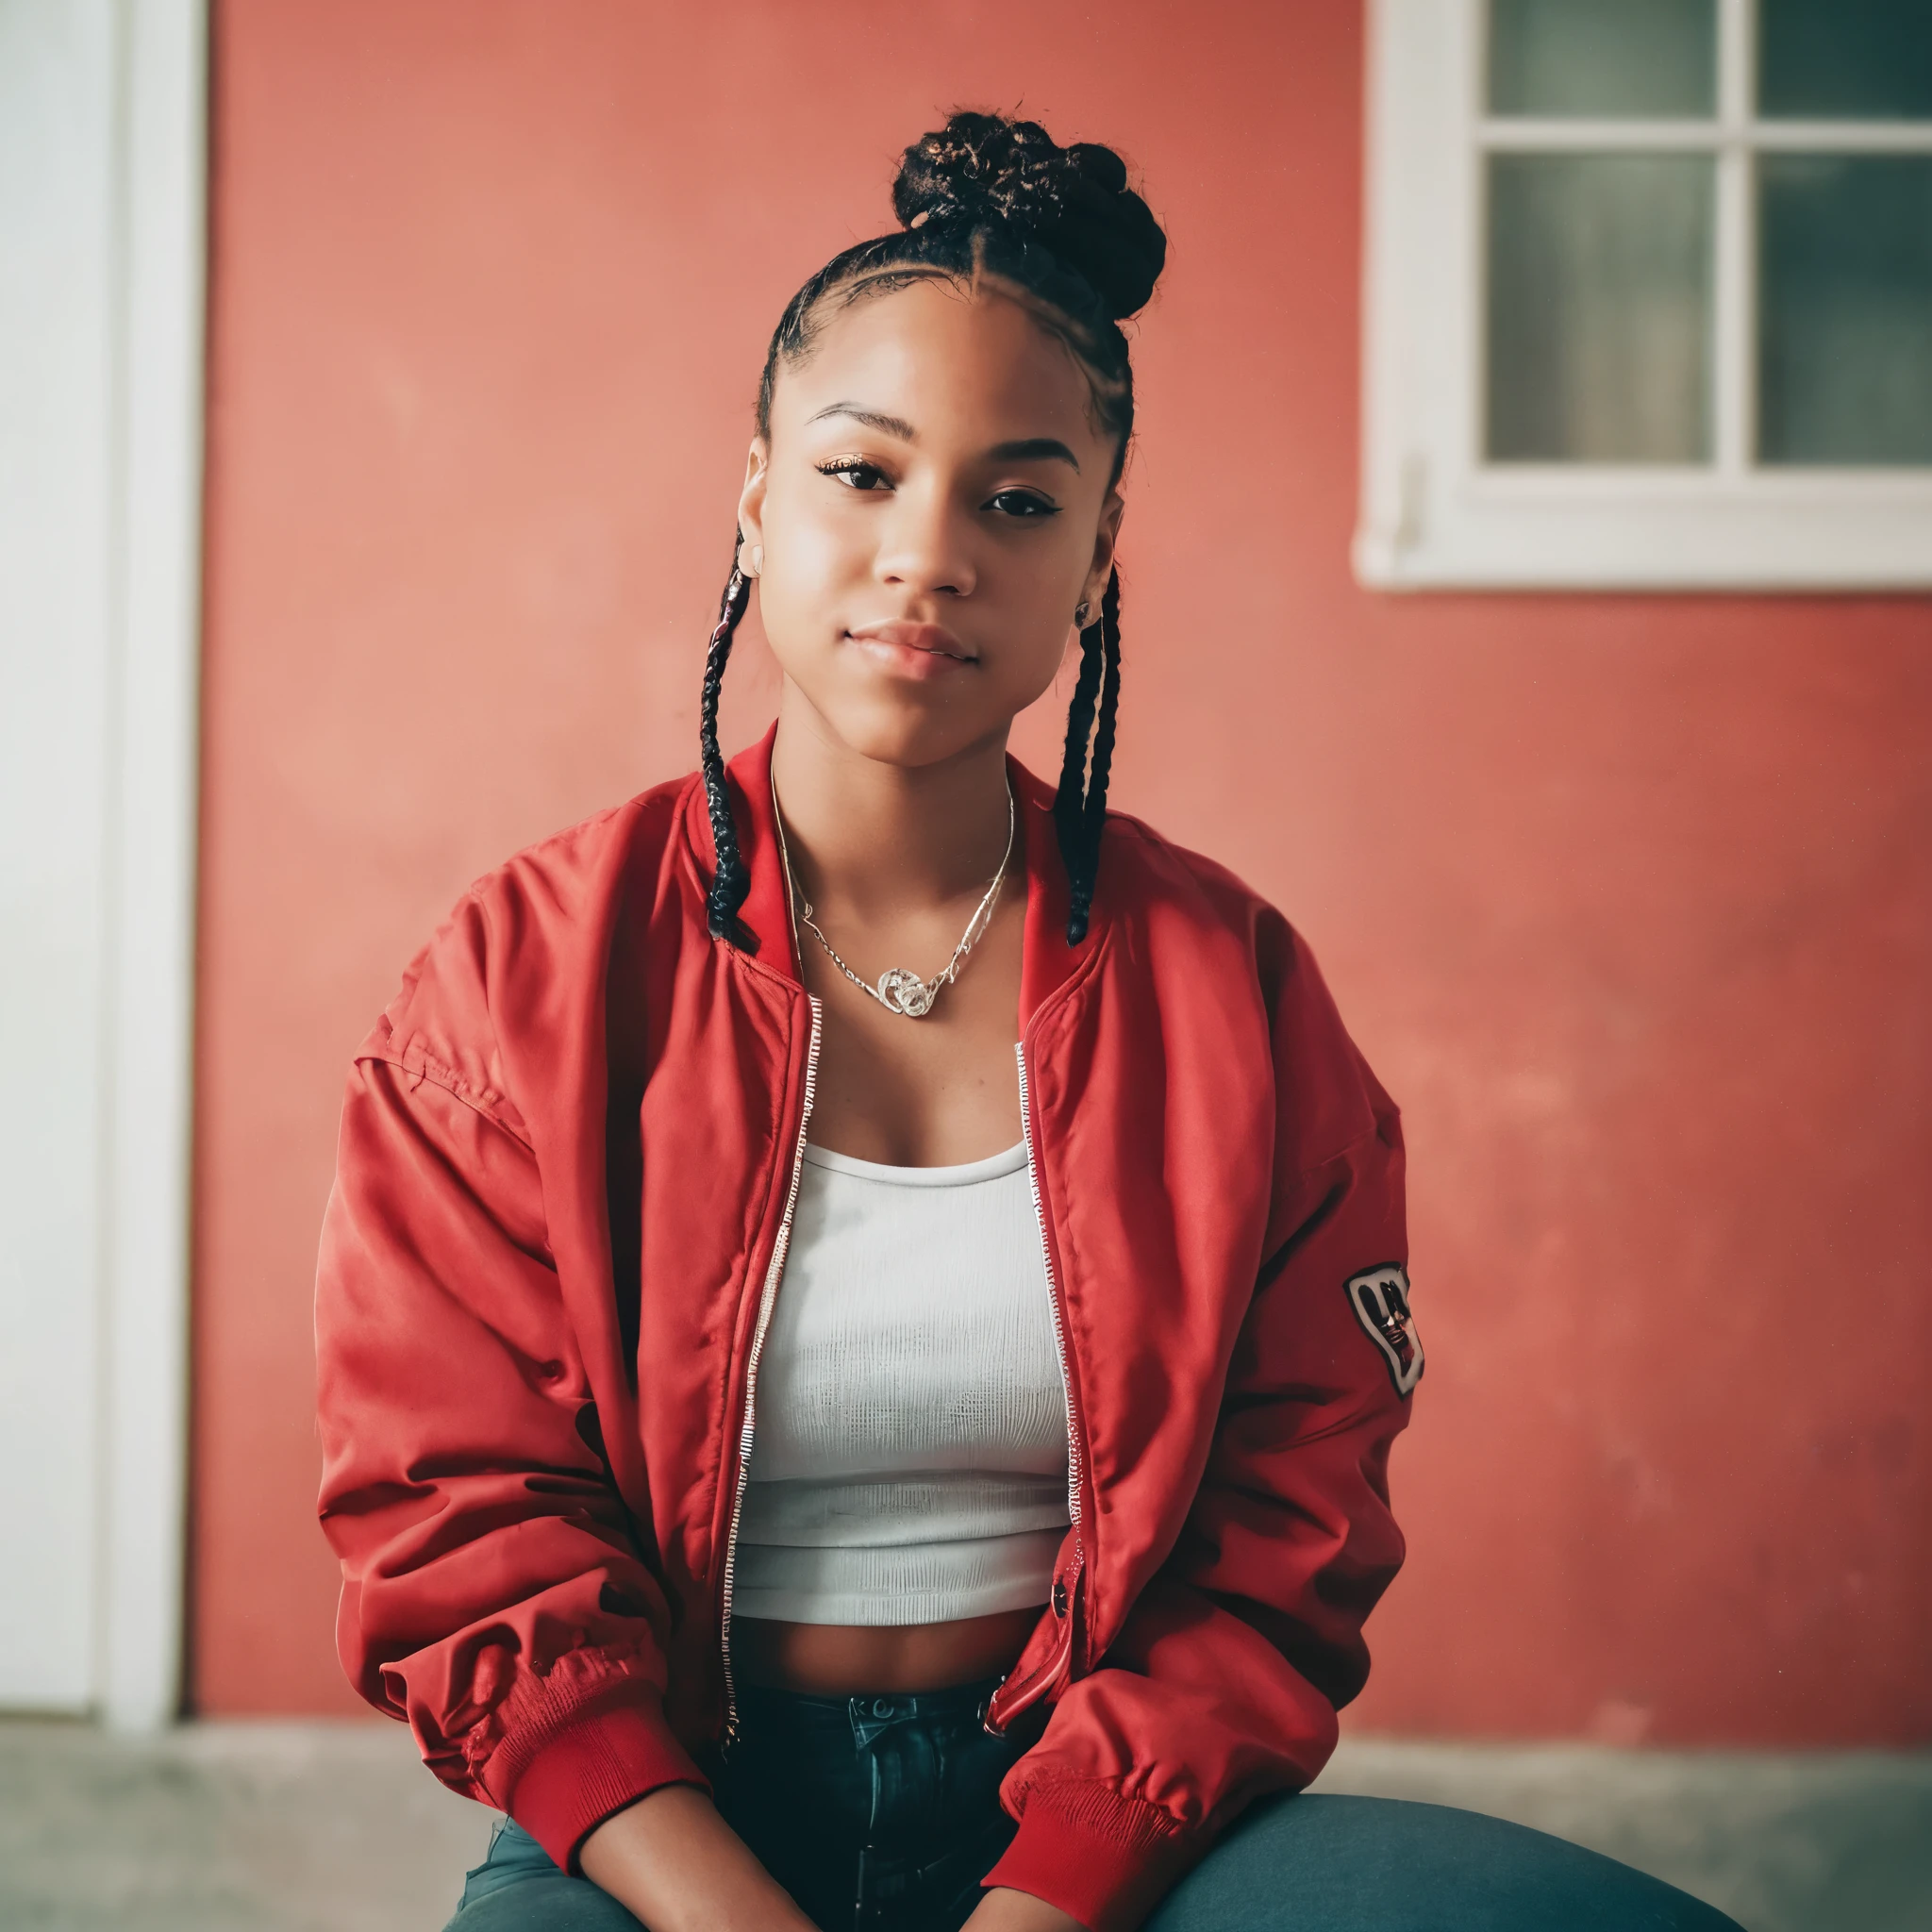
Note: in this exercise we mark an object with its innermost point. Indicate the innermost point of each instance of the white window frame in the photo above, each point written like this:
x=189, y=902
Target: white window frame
x=1433, y=513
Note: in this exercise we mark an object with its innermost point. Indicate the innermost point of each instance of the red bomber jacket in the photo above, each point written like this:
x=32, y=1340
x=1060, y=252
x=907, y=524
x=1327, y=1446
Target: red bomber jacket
x=567, y=1164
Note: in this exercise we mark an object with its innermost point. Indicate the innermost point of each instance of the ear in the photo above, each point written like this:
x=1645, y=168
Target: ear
x=751, y=499
x=1106, y=542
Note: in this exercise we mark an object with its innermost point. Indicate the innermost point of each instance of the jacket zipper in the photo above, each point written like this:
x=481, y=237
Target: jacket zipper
x=1074, y=1469
x=767, y=1298
x=1075, y=1465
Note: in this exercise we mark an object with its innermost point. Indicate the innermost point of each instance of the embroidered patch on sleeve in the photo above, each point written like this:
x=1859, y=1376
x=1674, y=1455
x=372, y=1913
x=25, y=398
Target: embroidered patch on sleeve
x=1381, y=1305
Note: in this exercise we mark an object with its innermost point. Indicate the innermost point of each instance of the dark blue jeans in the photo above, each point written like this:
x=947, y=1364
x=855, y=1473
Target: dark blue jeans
x=881, y=1814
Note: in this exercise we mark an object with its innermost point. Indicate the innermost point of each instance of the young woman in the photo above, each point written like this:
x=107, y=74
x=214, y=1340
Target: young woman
x=863, y=1310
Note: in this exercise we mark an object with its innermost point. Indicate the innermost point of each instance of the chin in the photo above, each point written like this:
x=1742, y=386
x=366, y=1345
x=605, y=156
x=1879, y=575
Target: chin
x=890, y=731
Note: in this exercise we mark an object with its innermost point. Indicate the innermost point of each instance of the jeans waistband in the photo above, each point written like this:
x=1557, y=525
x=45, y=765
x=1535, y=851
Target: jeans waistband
x=958, y=1700
x=907, y=1702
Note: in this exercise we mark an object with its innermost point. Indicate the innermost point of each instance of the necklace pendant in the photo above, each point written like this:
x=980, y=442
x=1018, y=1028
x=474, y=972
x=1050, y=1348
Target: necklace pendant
x=904, y=993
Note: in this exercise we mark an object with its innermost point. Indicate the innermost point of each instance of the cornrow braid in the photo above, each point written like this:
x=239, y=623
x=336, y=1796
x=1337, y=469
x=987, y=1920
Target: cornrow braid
x=1079, y=804
x=730, y=882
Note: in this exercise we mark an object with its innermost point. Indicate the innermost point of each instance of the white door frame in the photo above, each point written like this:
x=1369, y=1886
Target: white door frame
x=154, y=691
x=100, y=456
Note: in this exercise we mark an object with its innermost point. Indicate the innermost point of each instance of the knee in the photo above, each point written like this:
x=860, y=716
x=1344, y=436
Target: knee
x=1337, y=1864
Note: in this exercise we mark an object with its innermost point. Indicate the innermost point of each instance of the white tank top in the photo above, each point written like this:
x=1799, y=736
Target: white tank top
x=908, y=1460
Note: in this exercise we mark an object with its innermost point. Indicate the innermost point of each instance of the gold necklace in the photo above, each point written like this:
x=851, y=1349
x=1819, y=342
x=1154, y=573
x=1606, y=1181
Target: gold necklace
x=899, y=990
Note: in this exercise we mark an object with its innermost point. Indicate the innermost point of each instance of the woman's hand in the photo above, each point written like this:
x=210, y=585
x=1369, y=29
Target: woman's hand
x=1002, y=1911
x=676, y=1865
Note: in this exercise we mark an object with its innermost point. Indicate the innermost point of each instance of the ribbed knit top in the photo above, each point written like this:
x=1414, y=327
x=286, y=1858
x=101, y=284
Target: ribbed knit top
x=909, y=1459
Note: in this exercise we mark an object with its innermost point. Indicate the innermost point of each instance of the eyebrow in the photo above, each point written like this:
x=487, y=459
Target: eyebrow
x=1034, y=449
x=1026, y=449
x=873, y=419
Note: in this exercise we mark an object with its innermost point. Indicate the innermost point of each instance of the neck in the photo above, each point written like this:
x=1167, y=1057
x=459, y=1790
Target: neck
x=876, y=840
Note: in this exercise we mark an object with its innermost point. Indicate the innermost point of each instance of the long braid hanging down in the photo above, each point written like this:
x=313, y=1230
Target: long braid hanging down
x=1079, y=806
x=731, y=882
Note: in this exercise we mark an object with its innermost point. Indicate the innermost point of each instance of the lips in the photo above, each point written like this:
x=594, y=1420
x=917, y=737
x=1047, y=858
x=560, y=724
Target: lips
x=918, y=650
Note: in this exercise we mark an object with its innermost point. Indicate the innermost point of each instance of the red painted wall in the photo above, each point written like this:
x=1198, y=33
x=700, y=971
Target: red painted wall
x=1626, y=898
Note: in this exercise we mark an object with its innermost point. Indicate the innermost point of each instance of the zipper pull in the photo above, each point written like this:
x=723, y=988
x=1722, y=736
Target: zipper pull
x=1061, y=1605
x=986, y=1723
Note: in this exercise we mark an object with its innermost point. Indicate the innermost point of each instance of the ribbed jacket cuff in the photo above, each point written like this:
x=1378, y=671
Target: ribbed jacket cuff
x=590, y=1769
x=1103, y=1858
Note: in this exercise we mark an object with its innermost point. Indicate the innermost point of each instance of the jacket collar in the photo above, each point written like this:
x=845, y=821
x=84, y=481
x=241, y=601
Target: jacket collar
x=1047, y=961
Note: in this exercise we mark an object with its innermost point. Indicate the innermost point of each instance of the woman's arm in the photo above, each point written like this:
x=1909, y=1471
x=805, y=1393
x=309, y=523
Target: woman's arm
x=493, y=1593
x=1223, y=1681
x=1002, y=1911
x=674, y=1864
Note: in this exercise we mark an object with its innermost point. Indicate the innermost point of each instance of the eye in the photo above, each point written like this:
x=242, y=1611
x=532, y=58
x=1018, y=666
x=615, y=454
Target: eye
x=855, y=473
x=1022, y=502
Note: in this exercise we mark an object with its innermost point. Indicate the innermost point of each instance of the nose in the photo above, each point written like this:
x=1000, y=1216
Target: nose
x=924, y=545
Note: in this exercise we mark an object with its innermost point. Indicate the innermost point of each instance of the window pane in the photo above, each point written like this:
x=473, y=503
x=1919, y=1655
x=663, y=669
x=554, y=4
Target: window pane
x=1599, y=309
x=1845, y=60
x=1844, y=359
x=1624, y=58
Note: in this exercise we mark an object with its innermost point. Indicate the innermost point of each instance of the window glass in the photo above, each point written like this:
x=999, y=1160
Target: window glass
x=1845, y=308
x=1598, y=326
x=1620, y=57
x=1845, y=60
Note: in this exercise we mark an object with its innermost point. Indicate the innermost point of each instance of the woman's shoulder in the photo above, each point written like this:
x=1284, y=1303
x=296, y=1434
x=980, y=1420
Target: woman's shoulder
x=522, y=937
x=1146, y=874
x=1207, y=932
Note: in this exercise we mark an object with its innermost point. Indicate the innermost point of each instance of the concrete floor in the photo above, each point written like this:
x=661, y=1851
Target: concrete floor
x=316, y=1827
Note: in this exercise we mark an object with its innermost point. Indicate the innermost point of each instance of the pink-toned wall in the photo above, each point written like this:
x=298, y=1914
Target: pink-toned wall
x=1628, y=899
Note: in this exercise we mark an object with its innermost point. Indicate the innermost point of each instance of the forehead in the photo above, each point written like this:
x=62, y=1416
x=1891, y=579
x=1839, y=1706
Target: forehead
x=953, y=358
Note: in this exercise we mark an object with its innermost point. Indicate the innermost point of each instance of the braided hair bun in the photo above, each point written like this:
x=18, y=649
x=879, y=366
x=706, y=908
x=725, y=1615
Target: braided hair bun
x=982, y=171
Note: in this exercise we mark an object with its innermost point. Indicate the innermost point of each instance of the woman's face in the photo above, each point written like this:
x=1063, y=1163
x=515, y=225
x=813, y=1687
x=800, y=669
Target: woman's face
x=934, y=502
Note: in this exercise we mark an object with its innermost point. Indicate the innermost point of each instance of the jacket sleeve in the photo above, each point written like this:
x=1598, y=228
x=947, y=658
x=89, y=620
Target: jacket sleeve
x=493, y=1593
x=1223, y=1683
